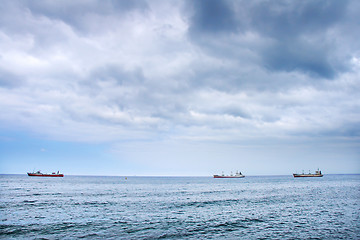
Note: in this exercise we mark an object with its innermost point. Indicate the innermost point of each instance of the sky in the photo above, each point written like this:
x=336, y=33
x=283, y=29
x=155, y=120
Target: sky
x=179, y=88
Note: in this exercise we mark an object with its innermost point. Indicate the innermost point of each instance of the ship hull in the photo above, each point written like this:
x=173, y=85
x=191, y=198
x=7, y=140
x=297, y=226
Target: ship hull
x=307, y=175
x=217, y=176
x=44, y=175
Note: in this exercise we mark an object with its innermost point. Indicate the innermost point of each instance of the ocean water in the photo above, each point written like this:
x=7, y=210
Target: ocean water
x=264, y=207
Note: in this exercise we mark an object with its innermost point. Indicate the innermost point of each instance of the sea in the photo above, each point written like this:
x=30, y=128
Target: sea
x=254, y=207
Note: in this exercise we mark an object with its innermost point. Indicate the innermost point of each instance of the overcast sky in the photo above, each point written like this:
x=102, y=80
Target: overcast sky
x=179, y=87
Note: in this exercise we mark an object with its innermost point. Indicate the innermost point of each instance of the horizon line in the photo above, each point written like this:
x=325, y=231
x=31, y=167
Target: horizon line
x=260, y=175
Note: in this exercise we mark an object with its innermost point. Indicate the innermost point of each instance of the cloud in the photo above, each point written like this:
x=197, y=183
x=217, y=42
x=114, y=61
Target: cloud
x=284, y=19
x=9, y=79
x=213, y=17
x=308, y=58
x=301, y=36
x=85, y=17
x=221, y=71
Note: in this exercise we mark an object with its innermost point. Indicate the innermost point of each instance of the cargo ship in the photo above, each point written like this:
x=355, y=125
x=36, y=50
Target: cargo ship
x=316, y=174
x=237, y=175
x=39, y=174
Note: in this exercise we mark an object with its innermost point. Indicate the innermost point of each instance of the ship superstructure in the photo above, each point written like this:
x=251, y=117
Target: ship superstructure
x=316, y=174
x=39, y=174
x=237, y=175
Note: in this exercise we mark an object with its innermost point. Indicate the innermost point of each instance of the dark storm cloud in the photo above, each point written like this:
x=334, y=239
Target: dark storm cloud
x=299, y=56
x=297, y=32
x=289, y=19
x=213, y=16
x=291, y=24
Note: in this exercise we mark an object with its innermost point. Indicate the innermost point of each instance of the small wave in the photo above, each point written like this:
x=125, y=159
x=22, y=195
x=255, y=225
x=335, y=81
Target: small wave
x=205, y=203
x=253, y=220
x=56, y=194
x=174, y=235
x=12, y=229
x=91, y=203
x=64, y=226
x=205, y=229
x=120, y=222
x=230, y=225
x=96, y=203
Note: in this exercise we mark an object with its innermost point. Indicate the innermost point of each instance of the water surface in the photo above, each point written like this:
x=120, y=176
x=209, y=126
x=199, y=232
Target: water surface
x=180, y=207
